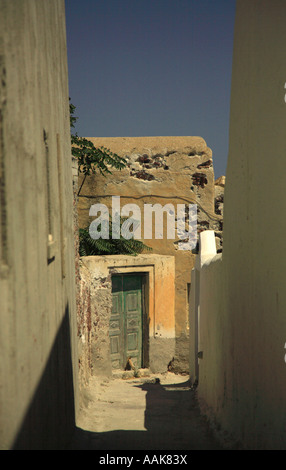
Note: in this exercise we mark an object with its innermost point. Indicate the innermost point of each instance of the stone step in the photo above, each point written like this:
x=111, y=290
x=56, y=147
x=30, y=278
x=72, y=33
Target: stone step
x=126, y=374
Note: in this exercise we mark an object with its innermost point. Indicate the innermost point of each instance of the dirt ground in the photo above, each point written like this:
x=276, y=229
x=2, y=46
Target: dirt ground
x=157, y=412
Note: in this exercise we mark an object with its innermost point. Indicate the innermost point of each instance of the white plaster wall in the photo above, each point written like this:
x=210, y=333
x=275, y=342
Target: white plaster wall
x=243, y=297
x=38, y=367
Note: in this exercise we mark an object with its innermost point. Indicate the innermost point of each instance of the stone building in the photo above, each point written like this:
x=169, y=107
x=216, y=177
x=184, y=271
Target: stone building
x=218, y=208
x=38, y=367
x=164, y=171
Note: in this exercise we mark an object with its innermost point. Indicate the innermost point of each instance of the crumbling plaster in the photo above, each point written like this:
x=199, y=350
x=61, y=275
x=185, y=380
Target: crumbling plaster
x=96, y=283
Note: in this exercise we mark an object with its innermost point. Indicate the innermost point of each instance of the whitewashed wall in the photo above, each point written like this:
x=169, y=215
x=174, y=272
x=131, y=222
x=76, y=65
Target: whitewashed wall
x=242, y=375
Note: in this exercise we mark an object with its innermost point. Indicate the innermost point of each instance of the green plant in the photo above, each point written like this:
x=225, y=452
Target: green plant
x=92, y=159
x=89, y=246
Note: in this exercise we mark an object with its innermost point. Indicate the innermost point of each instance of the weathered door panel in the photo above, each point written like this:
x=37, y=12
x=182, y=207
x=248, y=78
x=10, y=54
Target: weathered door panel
x=116, y=323
x=126, y=320
x=132, y=288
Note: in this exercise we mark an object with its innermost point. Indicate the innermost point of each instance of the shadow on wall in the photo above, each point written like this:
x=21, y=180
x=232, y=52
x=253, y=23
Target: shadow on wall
x=172, y=422
x=50, y=419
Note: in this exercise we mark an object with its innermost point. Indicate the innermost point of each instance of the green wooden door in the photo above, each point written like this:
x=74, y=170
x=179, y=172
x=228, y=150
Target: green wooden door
x=125, y=328
x=116, y=323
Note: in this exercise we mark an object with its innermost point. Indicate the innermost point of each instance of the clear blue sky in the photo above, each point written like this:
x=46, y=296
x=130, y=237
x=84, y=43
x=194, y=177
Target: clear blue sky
x=152, y=68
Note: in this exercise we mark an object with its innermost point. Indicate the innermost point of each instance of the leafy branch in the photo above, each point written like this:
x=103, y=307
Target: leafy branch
x=92, y=159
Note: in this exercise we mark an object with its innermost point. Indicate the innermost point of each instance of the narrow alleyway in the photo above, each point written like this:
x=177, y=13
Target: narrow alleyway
x=158, y=412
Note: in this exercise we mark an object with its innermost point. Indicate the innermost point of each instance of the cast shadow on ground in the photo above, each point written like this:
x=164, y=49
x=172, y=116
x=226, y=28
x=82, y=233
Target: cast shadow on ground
x=172, y=422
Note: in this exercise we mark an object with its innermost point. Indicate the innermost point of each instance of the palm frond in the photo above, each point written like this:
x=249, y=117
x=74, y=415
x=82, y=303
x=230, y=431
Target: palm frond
x=91, y=247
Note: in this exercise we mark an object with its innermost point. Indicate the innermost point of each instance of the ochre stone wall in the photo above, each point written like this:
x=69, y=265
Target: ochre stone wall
x=162, y=170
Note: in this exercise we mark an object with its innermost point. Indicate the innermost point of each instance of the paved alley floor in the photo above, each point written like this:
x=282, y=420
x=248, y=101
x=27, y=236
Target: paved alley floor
x=148, y=413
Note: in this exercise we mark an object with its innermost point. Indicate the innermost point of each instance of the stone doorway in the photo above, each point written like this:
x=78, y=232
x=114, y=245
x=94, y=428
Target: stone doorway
x=157, y=272
x=127, y=321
